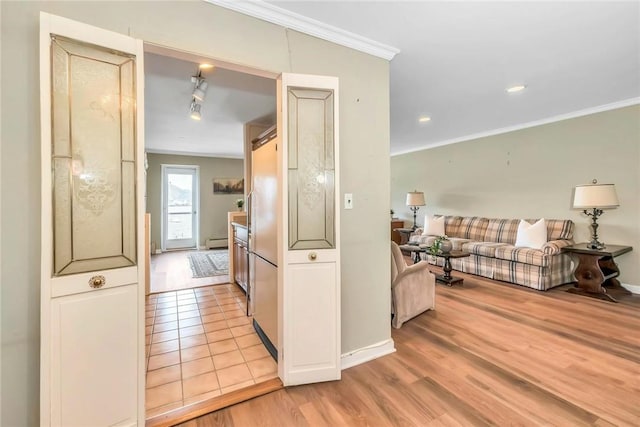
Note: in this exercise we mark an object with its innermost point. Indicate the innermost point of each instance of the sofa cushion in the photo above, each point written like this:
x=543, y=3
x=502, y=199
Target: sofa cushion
x=458, y=243
x=523, y=255
x=452, y=226
x=473, y=228
x=487, y=249
x=502, y=230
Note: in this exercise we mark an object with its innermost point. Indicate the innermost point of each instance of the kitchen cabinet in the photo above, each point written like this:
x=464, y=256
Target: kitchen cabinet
x=240, y=255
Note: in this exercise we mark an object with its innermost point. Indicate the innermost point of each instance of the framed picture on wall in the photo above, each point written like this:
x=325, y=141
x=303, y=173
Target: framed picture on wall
x=228, y=185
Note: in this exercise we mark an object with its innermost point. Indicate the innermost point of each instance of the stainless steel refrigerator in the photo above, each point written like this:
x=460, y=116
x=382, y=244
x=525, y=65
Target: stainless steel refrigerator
x=263, y=255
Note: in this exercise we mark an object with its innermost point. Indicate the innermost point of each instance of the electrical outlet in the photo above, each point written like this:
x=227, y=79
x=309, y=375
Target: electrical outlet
x=348, y=201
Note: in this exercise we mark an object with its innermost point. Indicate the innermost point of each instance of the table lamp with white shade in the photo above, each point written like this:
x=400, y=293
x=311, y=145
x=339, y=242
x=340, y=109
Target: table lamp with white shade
x=415, y=199
x=593, y=199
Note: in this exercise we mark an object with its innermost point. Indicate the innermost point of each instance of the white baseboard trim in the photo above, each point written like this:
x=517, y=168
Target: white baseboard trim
x=365, y=354
x=158, y=251
x=634, y=289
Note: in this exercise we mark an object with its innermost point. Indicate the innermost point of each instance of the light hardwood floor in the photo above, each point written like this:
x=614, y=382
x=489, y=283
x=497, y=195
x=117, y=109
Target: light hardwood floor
x=490, y=354
x=170, y=271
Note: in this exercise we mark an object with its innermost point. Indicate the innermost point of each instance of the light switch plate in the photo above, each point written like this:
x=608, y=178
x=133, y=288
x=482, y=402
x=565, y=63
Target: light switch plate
x=348, y=201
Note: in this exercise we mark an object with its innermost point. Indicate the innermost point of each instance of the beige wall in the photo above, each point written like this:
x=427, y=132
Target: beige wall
x=531, y=173
x=209, y=30
x=213, y=208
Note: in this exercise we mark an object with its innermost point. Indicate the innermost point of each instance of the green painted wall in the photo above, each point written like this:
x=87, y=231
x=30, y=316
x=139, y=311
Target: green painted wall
x=208, y=30
x=213, y=208
x=531, y=173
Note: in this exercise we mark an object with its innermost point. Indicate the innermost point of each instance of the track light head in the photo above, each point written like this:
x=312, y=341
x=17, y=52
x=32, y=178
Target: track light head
x=200, y=90
x=195, y=110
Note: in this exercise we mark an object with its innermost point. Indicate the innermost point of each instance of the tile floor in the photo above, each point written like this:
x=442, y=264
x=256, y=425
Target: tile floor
x=200, y=344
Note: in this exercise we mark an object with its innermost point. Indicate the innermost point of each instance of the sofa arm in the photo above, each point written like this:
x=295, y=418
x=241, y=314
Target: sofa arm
x=553, y=247
x=415, y=235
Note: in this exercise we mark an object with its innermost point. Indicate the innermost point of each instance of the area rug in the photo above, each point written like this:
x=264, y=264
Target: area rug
x=209, y=263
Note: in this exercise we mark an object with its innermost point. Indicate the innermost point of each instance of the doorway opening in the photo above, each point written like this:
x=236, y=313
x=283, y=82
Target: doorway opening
x=201, y=344
x=180, y=189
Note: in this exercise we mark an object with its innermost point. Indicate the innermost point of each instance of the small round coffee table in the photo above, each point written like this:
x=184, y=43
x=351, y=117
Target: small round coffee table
x=447, y=278
x=415, y=250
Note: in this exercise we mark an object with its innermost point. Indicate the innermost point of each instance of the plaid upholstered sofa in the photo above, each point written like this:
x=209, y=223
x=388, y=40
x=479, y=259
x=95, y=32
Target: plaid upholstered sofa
x=493, y=254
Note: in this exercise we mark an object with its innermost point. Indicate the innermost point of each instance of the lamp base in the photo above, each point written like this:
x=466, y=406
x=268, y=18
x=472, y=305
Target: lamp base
x=414, y=209
x=594, y=244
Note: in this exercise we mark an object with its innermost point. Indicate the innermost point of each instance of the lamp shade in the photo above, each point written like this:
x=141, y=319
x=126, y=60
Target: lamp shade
x=602, y=196
x=415, y=198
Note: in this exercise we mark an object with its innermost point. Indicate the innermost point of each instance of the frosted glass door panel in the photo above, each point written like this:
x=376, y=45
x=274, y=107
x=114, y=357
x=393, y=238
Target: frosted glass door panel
x=93, y=157
x=311, y=169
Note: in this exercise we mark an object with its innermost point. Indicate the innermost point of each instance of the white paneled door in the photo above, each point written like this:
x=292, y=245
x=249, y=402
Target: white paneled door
x=309, y=229
x=92, y=334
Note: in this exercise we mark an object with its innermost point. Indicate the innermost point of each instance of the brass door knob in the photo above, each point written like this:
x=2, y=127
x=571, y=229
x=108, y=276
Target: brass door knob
x=97, y=282
x=313, y=256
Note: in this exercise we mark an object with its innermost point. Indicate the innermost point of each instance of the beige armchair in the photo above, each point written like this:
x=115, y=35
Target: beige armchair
x=413, y=288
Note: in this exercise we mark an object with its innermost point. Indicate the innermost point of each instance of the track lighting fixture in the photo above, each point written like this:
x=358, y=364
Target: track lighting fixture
x=195, y=110
x=199, y=92
x=200, y=89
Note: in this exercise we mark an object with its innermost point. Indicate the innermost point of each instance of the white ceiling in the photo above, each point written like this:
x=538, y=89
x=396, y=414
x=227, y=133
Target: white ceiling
x=456, y=60
x=233, y=98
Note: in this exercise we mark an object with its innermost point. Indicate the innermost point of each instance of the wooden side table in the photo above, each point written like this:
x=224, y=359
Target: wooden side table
x=596, y=269
x=405, y=234
x=395, y=235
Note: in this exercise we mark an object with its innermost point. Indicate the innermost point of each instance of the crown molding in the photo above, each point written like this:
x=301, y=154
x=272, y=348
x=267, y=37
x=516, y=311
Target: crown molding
x=574, y=114
x=276, y=15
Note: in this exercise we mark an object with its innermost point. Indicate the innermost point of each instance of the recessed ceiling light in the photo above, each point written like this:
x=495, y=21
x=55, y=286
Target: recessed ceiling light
x=516, y=88
x=206, y=66
x=424, y=119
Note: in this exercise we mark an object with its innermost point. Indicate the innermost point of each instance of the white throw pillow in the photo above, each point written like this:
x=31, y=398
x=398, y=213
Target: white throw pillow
x=531, y=235
x=433, y=226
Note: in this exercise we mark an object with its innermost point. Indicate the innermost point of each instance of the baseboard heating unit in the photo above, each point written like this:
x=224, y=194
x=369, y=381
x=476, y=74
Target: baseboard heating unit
x=217, y=243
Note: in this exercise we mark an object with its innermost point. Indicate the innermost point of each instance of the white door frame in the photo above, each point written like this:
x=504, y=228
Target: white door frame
x=196, y=204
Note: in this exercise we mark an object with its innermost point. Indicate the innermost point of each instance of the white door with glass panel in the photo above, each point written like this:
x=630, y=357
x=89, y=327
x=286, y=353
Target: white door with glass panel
x=179, y=207
x=92, y=328
x=309, y=229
